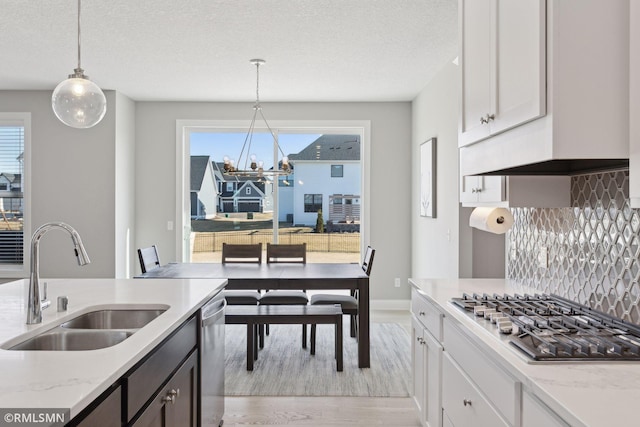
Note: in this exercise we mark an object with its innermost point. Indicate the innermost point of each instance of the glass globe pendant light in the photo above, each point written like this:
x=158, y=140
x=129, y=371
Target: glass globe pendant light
x=78, y=102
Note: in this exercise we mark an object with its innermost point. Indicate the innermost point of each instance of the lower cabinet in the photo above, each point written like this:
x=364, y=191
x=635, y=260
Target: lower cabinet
x=426, y=360
x=463, y=403
x=536, y=413
x=105, y=414
x=176, y=403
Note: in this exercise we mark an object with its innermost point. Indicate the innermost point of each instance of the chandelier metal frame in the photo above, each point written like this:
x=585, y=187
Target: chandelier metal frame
x=251, y=166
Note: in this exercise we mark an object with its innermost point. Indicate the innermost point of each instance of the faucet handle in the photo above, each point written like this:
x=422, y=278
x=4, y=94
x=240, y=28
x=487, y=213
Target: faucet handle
x=45, y=303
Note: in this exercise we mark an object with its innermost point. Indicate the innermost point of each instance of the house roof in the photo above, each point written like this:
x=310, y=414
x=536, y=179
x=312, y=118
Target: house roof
x=12, y=177
x=198, y=168
x=331, y=147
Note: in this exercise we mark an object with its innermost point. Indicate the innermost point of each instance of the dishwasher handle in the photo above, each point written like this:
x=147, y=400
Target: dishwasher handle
x=212, y=311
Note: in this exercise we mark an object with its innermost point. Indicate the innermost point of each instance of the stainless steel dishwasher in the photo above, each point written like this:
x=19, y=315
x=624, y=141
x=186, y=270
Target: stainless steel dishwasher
x=212, y=361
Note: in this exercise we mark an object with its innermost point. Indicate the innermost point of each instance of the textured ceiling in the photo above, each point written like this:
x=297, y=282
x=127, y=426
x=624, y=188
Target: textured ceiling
x=316, y=50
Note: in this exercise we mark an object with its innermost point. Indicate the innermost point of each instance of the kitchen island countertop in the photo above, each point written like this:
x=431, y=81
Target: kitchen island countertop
x=593, y=394
x=73, y=379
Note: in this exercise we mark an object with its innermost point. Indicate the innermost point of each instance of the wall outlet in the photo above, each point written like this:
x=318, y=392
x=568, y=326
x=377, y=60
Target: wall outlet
x=543, y=257
x=397, y=282
x=169, y=225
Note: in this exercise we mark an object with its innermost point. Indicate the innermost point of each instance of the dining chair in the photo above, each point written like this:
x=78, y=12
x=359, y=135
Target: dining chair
x=290, y=253
x=349, y=303
x=149, y=258
x=242, y=253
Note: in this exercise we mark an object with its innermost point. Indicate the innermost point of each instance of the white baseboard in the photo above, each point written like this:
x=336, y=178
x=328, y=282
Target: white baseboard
x=390, y=304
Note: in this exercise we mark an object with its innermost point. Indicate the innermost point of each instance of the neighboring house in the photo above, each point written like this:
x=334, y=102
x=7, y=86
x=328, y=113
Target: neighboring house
x=327, y=177
x=241, y=194
x=203, y=188
x=11, y=197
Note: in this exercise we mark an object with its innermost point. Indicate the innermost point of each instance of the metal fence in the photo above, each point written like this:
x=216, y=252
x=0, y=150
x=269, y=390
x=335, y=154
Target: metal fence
x=316, y=242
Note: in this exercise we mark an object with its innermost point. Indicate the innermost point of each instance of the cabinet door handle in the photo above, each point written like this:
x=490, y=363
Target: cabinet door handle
x=168, y=399
x=422, y=313
x=420, y=340
x=466, y=402
x=488, y=118
x=174, y=393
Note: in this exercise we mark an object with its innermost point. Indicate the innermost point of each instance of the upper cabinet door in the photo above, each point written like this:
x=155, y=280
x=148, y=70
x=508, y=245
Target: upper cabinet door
x=474, y=57
x=502, y=54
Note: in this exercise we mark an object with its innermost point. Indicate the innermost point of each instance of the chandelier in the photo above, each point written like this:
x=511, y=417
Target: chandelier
x=248, y=164
x=78, y=102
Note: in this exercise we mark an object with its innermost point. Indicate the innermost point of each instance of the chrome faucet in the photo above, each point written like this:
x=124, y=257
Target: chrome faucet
x=34, y=310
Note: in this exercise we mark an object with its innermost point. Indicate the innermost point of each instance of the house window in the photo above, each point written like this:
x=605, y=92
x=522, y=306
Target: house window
x=312, y=202
x=337, y=171
x=229, y=186
x=247, y=191
x=14, y=131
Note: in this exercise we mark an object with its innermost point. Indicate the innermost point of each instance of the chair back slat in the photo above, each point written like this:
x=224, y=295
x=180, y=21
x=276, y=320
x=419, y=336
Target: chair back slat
x=287, y=253
x=368, y=260
x=149, y=258
x=236, y=253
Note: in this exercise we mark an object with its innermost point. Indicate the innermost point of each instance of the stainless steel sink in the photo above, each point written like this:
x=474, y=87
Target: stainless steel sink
x=96, y=329
x=113, y=319
x=59, y=339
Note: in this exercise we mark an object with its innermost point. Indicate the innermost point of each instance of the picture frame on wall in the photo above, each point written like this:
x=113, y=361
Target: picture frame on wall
x=428, y=178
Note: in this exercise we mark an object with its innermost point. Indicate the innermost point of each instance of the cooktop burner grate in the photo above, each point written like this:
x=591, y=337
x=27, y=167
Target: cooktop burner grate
x=549, y=327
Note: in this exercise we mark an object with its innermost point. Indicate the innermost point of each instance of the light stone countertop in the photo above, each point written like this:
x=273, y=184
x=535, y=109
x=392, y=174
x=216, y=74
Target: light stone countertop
x=590, y=394
x=73, y=379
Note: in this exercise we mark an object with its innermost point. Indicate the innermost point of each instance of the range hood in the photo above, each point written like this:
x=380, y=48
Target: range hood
x=564, y=167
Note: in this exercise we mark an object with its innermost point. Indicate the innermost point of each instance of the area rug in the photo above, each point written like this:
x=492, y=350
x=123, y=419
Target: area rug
x=284, y=368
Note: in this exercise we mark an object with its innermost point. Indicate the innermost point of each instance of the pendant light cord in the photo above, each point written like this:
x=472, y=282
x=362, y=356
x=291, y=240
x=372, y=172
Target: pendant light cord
x=257, y=82
x=79, y=66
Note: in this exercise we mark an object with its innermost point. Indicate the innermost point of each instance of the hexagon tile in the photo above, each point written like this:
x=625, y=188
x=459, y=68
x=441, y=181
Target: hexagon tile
x=593, y=248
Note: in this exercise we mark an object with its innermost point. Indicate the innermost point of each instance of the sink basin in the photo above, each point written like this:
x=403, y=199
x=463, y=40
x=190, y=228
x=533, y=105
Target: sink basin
x=113, y=319
x=72, y=340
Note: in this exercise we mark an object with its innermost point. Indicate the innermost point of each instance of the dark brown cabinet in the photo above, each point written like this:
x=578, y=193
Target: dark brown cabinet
x=107, y=413
x=176, y=403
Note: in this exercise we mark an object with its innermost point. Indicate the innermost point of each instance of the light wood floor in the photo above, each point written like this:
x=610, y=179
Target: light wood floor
x=327, y=411
x=320, y=411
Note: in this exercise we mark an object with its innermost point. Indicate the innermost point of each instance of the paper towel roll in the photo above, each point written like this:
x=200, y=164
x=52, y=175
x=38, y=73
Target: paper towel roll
x=493, y=220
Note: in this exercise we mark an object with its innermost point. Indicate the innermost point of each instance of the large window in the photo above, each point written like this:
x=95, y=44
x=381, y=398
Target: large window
x=13, y=136
x=312, y=202
x=283, y=209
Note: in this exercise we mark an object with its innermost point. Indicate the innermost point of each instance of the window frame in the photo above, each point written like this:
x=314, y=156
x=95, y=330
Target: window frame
x=21, y=119
x=313, y=206
x=336, y=168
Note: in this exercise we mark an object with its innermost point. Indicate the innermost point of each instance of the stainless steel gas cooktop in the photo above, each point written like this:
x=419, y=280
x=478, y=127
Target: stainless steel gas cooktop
x=552, y=328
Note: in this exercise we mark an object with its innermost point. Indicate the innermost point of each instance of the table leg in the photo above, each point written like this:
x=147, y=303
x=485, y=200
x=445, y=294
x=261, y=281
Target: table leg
x=339, y=343
x=363, y=324
x=250, y=340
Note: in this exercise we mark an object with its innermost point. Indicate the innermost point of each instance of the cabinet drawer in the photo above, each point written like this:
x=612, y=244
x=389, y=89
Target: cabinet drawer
x=427, y=314
x=142, y=382
x=462, y=402
x=536, y=413
x=500, y=389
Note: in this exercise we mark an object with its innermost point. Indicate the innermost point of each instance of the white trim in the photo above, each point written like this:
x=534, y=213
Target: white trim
x=390, y=304
x=326, y=127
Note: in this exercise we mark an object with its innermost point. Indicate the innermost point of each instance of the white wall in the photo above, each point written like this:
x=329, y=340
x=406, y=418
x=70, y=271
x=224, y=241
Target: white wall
x=316, y=179
x=74, y=180
x=389, y=215
x=439, y=246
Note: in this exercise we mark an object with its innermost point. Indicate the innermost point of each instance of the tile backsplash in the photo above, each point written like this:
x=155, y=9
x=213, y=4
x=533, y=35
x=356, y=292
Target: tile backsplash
x=589, y=253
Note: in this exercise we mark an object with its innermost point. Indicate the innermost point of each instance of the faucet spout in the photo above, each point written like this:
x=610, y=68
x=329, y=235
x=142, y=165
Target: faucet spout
x=34, y=309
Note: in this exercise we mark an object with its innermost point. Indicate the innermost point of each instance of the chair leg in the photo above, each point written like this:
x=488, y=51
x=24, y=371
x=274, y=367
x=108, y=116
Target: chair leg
x=261, y=335
x=313, y=339
x=266, y=329
x=353, y=326
x=304, y=336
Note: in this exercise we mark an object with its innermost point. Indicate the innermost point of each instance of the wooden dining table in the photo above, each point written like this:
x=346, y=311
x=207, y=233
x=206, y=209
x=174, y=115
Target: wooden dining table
x=310, y=276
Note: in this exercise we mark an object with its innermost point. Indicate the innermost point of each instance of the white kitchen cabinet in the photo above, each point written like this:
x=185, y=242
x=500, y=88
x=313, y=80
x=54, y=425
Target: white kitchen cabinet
x=502, y=55
x=463, y=403
x=536, y=413
x=426, y=360
x=516, y=191
x=580, y=121
x=478, y=190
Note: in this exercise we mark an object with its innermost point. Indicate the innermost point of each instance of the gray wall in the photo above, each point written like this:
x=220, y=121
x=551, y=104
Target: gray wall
x=390, y=174
x=441, y=246
x=74, y=180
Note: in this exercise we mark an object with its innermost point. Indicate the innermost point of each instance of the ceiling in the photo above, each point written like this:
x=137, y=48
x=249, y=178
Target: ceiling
x=199, y=50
